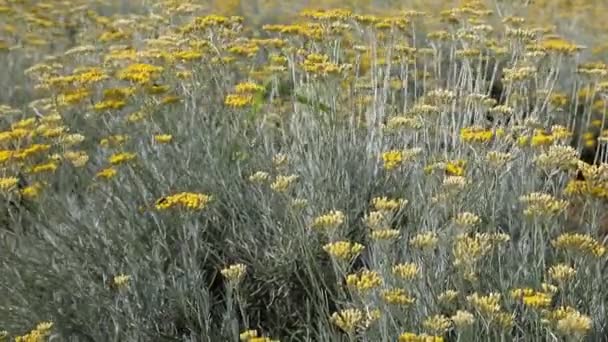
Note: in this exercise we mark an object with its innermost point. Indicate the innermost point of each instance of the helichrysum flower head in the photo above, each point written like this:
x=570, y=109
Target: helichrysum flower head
x=574, y=325
x=558, y=157
x=279, y=160
x=498, y=160
x=425, y=241
x=447, y=297
x=385, y=234
x=377, y=220
x=120, y=158
x=107, y=173
x=561, y=273
x=163, y=138
x=390, y=205
x=406, y=271
x=437, y=324
x=8, y=183
x=581, y=244
x=463, y=319
x=247, y=335
x=329, y=221
x=468, y=250
x=40, y=333
x=392, y=159
x=343, y=250
x=238, y=100
x=259, y=177
x=234, y=273
x=121, y=281
x=364, y=281
x=466, y=221
x=541, y=204
x=349, y=320
x=187, y=200
x=282, y=183
x=486, y=305
x=32, y=191
x=397, y=296
x=477, y=135
x=531, y=298
x=413, y=337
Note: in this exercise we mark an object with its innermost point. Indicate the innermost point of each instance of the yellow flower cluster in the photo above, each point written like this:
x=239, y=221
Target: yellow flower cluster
x=40, y=333
x=188, y=200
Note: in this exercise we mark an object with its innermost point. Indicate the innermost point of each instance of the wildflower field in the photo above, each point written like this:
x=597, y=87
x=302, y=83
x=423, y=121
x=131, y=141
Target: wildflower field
x=365, y=170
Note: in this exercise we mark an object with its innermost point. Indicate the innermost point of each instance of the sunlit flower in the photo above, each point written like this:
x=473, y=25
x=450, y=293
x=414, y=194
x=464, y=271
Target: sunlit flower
x=343, y=250
x=437, y=324
x=121, y=281
x=163, y=138
x=188, y=200
x=329, y=221
x=397, y=296
x=406, y=271
x=120, y=158
x=234, y=273
x=364, y=281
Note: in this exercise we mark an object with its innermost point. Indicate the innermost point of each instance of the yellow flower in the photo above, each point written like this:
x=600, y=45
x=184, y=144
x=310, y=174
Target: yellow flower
x=78, y=159
x=113, y=140
x=8, y=183
x=329, y=221
x=412, y=337
x=476, y=135
x=109, y=105
x=31, y=150
x=486, y=305
x=406, y=271
x=259, y=177
x=188, y=200
x=392, y=159
x=437, y=324
x=455, y=167
x=32, y=191
x=559, y=45
x=238, y=100
x=466, y=220
x=107, y=173
x=40, y=333
x=386, y=204
x=448, y=297
x=348, y=320
x=575, y=325
x=543, y=205
x=234, y=273
x=397, y=297
x=121, y=281
x=247, y=335
x=385, y=234
x=579, y=243
x=425, y=241
x=120, y=158
x=343, y=250
x=163, y=138
x=248, y=88
x=45, y=167
x=498, y=160
x=463, y=319
x=532, y=298
x=282, y=183
x=139, y=73
x=561, y=272
x=364, y=281
x=540, y=138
